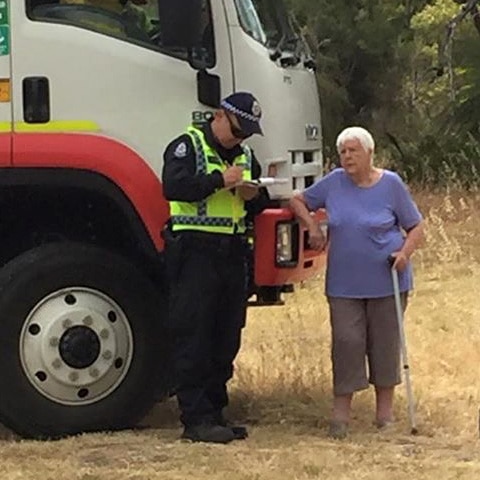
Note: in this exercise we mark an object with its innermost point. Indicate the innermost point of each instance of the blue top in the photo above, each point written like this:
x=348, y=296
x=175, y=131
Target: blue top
x=364, y=227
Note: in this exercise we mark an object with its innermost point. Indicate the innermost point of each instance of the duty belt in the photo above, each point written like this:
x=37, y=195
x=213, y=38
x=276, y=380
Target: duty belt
x=219, y=242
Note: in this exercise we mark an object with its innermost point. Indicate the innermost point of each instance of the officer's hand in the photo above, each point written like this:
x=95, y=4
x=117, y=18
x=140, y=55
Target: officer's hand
x=232, y=176
x=247, y=192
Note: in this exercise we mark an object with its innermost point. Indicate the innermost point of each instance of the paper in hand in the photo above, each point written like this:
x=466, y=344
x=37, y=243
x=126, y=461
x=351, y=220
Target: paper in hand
x=262, y=182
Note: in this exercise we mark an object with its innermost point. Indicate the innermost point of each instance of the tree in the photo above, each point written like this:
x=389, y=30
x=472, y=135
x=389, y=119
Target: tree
x=390, y=67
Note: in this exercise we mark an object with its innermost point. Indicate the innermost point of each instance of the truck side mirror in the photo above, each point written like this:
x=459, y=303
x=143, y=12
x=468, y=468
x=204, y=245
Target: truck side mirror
x=180, y=23
x=208, y=89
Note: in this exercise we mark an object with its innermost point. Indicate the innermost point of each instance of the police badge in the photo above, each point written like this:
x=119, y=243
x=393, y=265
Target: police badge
x=181, y=150
x=256, y=109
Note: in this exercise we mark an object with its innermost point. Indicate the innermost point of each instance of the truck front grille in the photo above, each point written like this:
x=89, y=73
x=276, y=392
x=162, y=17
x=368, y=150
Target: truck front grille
x=307, y=166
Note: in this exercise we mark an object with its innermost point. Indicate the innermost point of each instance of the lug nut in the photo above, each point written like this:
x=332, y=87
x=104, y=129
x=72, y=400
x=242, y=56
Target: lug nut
x=57, y=363
x=73, y=376
x=107, y=355
x=54, y=342
x=67, y=323
x=94, y=372
x=88, y=321
x=104, y=334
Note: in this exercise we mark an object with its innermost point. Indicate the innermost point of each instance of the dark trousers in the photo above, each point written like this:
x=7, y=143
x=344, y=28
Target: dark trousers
x=207, y=305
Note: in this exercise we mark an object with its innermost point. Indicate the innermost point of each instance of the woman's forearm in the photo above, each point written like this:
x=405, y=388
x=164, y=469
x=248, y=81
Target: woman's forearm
x=299, y=208
x=413, y=239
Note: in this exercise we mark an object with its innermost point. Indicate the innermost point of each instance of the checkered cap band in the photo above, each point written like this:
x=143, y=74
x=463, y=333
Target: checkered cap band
x=236, y=111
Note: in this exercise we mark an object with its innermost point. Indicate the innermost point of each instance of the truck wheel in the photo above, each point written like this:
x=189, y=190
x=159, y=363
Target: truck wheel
x=81, y=343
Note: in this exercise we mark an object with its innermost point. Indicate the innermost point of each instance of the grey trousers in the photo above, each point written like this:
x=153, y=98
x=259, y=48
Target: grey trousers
x=364, y=329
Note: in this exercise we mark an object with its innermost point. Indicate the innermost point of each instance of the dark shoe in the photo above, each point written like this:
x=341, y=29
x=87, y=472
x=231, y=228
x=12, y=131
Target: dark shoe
x=240, y=432
x=384, y=423
x=337, y=429
x=206, y=432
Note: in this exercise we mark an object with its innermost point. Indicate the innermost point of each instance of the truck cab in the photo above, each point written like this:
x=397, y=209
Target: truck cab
x=91, y=92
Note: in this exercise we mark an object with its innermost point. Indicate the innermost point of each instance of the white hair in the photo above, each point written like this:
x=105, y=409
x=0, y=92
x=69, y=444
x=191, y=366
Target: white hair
x=356, y=133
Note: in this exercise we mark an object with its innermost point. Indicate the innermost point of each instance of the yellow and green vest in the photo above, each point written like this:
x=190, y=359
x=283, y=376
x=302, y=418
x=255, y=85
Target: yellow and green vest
x=224, y=210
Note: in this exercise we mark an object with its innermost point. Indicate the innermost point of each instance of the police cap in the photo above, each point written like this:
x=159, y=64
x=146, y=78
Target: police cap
x=246, y=109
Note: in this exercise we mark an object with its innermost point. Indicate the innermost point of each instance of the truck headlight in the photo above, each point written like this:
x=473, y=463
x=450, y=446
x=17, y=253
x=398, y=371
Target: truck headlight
x=286, y=252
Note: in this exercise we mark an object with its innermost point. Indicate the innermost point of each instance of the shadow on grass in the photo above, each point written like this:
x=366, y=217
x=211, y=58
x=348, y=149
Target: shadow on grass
x=305, y=409
x=6, y=434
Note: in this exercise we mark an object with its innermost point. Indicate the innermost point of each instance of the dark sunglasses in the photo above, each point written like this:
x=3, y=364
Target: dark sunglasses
x=236, y=132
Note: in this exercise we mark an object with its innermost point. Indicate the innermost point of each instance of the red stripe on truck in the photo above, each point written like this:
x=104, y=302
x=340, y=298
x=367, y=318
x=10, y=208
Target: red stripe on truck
x=5, y=149
x=103, y=155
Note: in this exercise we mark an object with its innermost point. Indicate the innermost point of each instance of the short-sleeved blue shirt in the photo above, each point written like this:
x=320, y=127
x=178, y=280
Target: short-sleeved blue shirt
x=365, y=227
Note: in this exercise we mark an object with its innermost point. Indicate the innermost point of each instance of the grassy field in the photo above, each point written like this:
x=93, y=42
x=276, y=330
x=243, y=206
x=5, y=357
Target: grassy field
x=282, y=390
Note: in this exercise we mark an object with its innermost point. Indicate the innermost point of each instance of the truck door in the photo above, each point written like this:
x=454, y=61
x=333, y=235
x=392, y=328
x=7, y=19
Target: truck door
x=99, y=67
x=5, y=78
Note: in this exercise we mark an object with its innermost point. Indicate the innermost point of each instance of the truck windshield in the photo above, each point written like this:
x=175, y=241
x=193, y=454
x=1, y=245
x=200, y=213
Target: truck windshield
x=266, y=21
x=250, y=21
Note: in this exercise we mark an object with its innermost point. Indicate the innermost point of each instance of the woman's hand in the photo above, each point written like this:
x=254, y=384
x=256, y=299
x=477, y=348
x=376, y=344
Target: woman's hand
x=413, y=240
x=401, y=261
x=316, y=238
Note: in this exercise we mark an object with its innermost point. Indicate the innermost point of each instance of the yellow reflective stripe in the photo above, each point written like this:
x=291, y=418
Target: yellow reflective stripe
x=58, y=126
x=55, y=126
x=5, y=127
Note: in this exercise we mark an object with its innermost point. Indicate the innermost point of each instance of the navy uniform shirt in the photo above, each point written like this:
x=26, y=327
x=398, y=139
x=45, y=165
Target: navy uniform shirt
x=182, y=183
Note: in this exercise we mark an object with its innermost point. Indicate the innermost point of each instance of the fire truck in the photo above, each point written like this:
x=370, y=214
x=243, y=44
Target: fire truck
x=91, y=92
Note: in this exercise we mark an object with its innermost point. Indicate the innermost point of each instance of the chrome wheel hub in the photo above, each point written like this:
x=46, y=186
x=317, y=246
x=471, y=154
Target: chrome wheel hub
x=76, y=346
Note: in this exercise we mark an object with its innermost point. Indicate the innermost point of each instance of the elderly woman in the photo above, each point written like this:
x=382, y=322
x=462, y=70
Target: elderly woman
x=371, y=216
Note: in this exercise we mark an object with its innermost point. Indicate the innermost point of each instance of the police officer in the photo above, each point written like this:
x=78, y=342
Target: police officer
x=206, y=260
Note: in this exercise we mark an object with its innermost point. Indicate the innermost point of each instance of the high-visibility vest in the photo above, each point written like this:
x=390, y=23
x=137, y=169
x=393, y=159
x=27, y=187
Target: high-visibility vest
x=224, y=210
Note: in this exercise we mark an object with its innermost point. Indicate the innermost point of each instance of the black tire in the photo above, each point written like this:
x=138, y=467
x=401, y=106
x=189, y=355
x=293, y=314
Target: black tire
x=26, y=282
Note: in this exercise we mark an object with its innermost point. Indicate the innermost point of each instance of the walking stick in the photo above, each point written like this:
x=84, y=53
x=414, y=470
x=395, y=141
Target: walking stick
x=403, y=345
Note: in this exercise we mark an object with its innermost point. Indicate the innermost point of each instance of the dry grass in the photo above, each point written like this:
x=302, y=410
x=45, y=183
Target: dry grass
x=282, y=390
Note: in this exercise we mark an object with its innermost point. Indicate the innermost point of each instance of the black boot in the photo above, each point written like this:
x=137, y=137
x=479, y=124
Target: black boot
x=208, y=432
x=240, y=432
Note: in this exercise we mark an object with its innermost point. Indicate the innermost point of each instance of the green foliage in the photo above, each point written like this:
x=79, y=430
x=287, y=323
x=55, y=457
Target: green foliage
x=379, y=67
